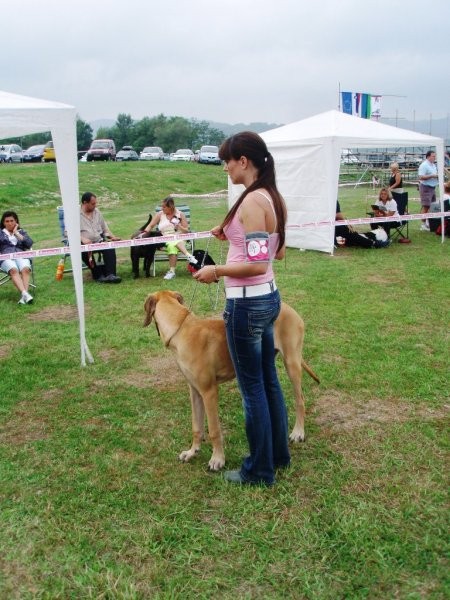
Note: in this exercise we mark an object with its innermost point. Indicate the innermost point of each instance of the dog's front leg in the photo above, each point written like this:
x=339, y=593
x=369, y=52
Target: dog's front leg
x=210, y=398
x=198, y=425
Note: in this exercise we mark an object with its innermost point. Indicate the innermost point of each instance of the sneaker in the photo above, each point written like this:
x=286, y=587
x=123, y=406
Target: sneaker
x=22, y=300
x=192, y=260
x=27, y=297
x=424, y=227
x=169, y=275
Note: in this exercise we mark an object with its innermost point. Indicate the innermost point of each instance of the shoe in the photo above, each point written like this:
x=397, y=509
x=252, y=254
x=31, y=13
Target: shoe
x=22, y=300
x=109, y=279
x=233, y=477
x=236, y=477
x=169, y=275
x=424, y=227
x=27, y=297
x=192, y=260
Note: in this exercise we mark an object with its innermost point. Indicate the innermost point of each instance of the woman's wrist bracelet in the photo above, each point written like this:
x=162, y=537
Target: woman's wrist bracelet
x=216, y=277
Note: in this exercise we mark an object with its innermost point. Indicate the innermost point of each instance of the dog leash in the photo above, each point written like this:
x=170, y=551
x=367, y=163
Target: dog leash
x=197, y=283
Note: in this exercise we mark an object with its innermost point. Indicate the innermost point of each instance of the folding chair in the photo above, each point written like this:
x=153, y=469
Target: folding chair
x=397, y=229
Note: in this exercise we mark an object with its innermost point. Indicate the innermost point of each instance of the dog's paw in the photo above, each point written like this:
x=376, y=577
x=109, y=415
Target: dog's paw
x=216, y=463
x=297, y=435
x=186, y=455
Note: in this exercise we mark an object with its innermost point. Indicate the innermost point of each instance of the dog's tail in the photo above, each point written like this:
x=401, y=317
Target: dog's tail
x=310, y=372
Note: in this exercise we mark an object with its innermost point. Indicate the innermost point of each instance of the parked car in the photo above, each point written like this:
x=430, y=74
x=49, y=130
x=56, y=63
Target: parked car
x=49, y=152
x=10, y=153
x=151, y=153
x=34, y=153
x=127, y=153
x=209, y=155
x=102, y=150
x=182, y=154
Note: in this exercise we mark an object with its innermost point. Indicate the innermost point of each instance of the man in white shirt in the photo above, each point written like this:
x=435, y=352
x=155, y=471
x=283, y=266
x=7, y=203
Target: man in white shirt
x=428, y=181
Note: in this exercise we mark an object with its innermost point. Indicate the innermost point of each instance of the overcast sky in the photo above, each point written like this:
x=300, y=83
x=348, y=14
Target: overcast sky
x=230, y=61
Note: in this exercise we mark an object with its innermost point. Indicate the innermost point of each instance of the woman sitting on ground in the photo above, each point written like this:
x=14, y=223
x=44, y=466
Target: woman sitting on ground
x=387, y=207
x=14, y=239
x=170, y=221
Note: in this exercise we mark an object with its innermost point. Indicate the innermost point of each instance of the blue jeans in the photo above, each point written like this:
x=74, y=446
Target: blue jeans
x=249, y=327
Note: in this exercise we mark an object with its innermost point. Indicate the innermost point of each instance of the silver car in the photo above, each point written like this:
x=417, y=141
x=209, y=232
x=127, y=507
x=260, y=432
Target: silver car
x=151, y=153
x=10, y=153
x=182, y=154
x=209, y=155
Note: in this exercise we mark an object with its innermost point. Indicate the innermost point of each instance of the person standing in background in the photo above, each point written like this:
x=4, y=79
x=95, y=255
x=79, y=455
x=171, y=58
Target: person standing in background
x=428, y=181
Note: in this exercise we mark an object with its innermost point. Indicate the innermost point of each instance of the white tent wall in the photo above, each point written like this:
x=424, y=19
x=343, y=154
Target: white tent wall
x=20, y=115
x=307, y=160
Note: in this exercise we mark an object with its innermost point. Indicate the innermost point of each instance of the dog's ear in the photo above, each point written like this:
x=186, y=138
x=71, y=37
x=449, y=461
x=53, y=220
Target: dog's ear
x=179, y=297
x=149, y=307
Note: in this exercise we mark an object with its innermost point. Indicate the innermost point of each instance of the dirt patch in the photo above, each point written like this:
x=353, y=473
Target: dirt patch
x=55, y=313
x=160, y=371
x=336, y=412
x=5, y=351
x=24, y=426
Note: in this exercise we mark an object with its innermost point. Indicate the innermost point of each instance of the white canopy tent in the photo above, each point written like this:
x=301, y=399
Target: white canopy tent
x=21, y=115
x=307, y=159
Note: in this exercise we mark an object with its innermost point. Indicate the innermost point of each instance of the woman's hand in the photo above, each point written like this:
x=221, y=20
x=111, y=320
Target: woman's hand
x=206, y=274
x=218, y=233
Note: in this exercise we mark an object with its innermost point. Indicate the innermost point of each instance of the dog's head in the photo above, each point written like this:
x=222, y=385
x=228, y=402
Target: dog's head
x=153, y=299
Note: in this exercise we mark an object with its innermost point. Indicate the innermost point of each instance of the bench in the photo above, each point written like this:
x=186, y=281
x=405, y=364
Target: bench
x=161, y=255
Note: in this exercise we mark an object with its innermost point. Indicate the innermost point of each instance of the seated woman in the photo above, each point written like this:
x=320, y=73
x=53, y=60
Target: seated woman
x=170, y=220
x=385, y=206
x=14, y=239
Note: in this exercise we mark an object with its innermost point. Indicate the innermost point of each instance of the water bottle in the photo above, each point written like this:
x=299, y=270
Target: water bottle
x=60, y=270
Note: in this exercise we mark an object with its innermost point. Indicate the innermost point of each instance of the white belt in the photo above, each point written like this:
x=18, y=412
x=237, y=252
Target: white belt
x=250, y=291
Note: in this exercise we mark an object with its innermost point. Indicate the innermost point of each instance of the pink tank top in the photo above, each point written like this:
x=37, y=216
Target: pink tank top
x=237, y=254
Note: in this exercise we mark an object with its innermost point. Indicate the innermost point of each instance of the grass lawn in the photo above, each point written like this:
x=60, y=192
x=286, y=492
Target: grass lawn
x=93, y=500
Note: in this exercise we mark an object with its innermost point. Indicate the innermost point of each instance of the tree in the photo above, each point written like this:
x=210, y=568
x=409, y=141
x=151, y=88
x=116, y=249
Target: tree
x=84, y=134
x=125, y=130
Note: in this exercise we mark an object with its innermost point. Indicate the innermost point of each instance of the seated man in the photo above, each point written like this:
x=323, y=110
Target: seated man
x=94, y=229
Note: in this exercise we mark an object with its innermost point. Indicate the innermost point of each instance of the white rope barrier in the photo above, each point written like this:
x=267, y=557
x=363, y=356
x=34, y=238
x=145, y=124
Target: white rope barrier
x=206, y=234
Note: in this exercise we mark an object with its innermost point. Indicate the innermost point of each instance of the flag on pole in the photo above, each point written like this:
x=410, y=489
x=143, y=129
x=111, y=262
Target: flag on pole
x=361, y=105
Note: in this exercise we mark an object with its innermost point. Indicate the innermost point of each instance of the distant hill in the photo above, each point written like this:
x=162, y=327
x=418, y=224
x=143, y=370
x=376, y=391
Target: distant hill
x=101, y=123
x=232, y=129
x=437, y=127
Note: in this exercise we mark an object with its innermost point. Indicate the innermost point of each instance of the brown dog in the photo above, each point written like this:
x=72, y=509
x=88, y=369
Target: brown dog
x=201, y=352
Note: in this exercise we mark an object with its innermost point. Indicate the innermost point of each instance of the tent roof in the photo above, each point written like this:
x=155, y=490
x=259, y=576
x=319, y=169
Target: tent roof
x=347, y=131
x=22, y=115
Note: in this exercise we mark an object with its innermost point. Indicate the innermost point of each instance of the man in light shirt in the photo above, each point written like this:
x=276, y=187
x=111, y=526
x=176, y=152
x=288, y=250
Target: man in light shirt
x=428, y=181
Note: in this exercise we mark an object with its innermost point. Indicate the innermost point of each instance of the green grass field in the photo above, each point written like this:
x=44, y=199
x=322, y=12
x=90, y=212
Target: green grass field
x=94, y=503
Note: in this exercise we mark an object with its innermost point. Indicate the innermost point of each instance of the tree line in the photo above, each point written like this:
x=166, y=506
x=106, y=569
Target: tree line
x=170, y=133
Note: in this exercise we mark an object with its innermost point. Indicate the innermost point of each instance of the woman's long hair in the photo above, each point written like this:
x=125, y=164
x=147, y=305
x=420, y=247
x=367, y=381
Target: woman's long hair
x=254, y=148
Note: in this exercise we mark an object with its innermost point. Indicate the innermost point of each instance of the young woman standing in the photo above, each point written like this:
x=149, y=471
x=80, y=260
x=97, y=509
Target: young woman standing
x=255, y=230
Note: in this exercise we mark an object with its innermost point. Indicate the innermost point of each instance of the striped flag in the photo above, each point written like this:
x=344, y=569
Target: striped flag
x=361, y=105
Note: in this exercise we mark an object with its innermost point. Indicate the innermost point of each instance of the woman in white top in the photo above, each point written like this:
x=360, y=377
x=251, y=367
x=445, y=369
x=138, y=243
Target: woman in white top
x=169, y=221
x=387, y=207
